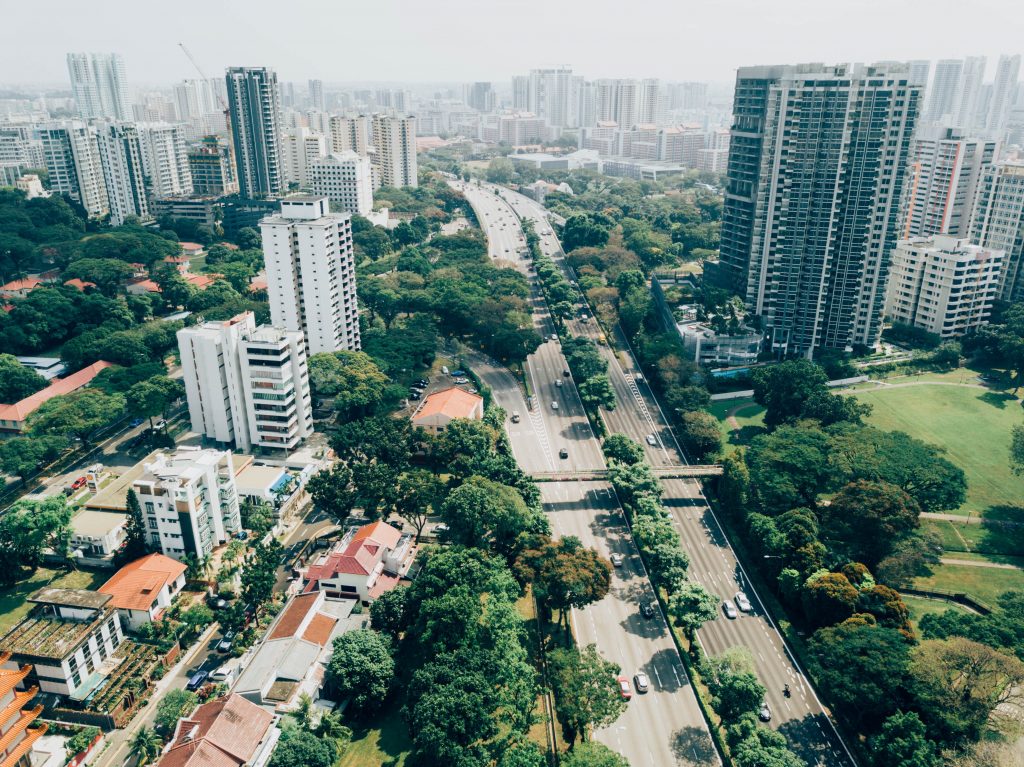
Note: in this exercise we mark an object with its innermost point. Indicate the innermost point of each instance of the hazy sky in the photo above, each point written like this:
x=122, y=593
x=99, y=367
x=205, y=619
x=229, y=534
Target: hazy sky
x=460, y=40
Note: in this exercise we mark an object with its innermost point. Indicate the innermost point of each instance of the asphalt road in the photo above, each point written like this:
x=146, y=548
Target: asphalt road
x=713, y=563
x=664, y=726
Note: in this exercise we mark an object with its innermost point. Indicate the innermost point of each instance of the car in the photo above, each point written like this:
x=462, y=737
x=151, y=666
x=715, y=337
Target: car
x=554, y=336
x=584, y=319
x=641, y=682
x=135, y=422
x=472, y=390
x=624, y=689
x=554, y=406
x=652, y=440
x=457, y=373
x=764, y=713
x=414, y=395
x=565, y=373
x=617, y=560
x=160, y=425
x=730, y=610
x=742, y=602
x=216, y=601
x=558, y=382
x=647, y=609
x=515, y=416
x=462, y=380
x=225, y=644
x=440, y=528
x=79, y=483
x=563, y=453
x=423, y=382
x=242, y=535
x=418, y=385
x=197, y=680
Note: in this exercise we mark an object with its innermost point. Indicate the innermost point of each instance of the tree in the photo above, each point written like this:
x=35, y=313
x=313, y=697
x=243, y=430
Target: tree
x=586, y=690
x=902, y=743
x=686, y=398
x=564, y=573
x=389, y=613
x=333, y=491
x=593, y=754
x=17, y=381
x=701, y=435
x=248, y=238
x=153, y=397
x=596, y=392
x=136, y=544
x=172, y=706
x=77, y=414
x=486, y=514
x=829, y=598
x=147, y=745
x=581, y=231
x=463, y=446
x=734, y=685
x=866, y=519
x=619, y=447
x=258, y=518
x=351, y=378
x=26, y=529
x=378, y=438
x=523, y=754
x=1017, y=449
x=108, y=274
x=788, y=468
x=361, y=669
x=197, y=618
x=691, y=606
x=22, y=456
x=784, y=388
x=301, y=748
x=260, y=573
x=417, y=493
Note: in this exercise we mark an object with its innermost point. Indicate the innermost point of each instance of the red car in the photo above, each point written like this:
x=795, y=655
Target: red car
x=79, y=483
x=624, y=689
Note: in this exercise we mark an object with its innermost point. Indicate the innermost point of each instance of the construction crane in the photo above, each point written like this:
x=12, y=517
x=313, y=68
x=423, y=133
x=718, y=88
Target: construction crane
x=202, y=74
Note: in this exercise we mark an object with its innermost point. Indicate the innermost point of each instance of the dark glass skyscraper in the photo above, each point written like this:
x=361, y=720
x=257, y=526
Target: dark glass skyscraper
x=254, y=104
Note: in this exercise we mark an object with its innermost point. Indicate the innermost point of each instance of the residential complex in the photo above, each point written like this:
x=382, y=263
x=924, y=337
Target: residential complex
x=256, y=130
x=997, y=223
x=189, y=501
x=98, y=85
x=346, y=179
x=942, y=284
x=311, y=278
x=246, y=385
x=394, y=139
x=811, y=206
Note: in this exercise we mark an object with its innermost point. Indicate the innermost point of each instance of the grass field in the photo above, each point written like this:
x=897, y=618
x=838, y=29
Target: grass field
x=386, y=744
x=920, y=607
x=749, y=416
x=985, y=583
x=13, y=606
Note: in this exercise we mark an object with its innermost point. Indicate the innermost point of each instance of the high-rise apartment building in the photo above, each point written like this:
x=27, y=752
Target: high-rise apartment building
x=954, y=98
x=72, y=156
x=311, y=276
x=98, y=85
x=254, y=105
x=480, y=96
x=970, y=112
x=617, y=101
x=394, y=139
x=997, y=223
x=346, y=180
x=165, y=159
x=549, y=95
x=350, y=134
x=649, y=107
x=123, y=175
x=300, y=147
x=816, y=166
x=189, y=501
x=316, y=95
x=1004, y=93
x=211, y=168
x=942, y=284
x=247, y=385
x=521, y=93
x=944, y=168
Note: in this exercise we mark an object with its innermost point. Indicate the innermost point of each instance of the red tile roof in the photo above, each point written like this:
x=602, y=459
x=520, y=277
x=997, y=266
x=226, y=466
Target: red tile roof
x=19, y=411
x=361, y=555
x=454, y=403
x=190, y=246
x=225, y=732
x=292, y=616
x=26, y=283
x=201, y=281
x=144, y=282
x=319, y=629
x=80, y=284
x=137, y=585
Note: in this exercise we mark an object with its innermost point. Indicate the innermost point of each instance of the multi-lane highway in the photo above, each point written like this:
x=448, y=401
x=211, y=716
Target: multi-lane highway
x=665, y=725
x=800, y=717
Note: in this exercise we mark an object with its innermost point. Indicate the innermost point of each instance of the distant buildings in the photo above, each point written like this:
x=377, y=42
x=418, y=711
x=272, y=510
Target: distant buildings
x=394, y=139
x=997, y=223
x=123, y=175
x=942, y=284
x=72, y=156
x=300, y=148
x=246, y=385
x=165, y=160
x=346, y=179
x=13, y=416
x=350, y=134
x=98, y=85
x=189, y=501
x=480, y=96
x=253, y=101
x=811, y=206
x=311, y=278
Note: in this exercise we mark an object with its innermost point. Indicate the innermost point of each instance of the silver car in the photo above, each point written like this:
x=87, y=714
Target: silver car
x=641, y=682
x=743, y=603
x=730, y=610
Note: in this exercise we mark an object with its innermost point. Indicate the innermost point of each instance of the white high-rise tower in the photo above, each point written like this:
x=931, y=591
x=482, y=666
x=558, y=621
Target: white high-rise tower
x=98, y=85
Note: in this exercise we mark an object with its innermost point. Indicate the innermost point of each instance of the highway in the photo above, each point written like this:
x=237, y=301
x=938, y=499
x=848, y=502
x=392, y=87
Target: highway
x=664, y=726
x=802, y=717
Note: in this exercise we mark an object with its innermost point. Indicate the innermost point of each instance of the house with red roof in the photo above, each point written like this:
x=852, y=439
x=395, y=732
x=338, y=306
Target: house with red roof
x=441, y=408
x=191, y=248
x=81, y=285
x=368, y=561
x=13, y=417
x=229, y=731
x=143, y=589
x=20, y=288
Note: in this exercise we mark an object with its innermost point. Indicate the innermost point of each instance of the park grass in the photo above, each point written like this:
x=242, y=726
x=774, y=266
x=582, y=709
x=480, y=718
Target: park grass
x=973, y=425
x=749, y=415
x=922, y=606
x=982, y=583
x=13, y=604
x=385, y=743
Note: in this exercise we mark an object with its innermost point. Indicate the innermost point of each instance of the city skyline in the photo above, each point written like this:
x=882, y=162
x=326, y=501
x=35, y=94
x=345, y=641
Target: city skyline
x=677, y=47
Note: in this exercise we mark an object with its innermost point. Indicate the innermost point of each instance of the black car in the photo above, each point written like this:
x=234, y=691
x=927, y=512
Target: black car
x=197, y=680
x=647, y=609
x=415, y=395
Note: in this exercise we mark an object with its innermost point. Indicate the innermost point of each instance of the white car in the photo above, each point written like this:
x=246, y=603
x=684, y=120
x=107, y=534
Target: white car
x=554, y=406
x=651, y=440
x=641, y=682
x=743, y=603
x=618, y=560
x=730, y=610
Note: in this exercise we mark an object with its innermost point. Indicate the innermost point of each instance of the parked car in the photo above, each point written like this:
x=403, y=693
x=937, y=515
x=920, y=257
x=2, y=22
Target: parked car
x=160, y=425
x=730, y=610
x=554, y=336
x=624, y=689
x=554, y=406
x=742, y=602
x=415, y=395
x=423, y=382
x=225, y=644
x=764, y=713
x=216, y=601
x=647, y=609
x=197, y=680
x=242, y=535
x=515, y=416
x=457, y=373
x=135, y=422
x=419, y=385
x=652, y=440
x=617, y=560
x=565, y=372
x=563, y=453
x=558, y=383
x=79, y=483
x=641, y=682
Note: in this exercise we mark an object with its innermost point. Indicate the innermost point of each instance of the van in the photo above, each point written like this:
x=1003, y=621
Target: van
x=444, y=369
x=515, y=416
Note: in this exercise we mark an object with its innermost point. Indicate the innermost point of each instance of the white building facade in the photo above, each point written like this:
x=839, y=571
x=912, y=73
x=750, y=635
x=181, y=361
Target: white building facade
x=346, y=180
x=394, y=139
x=98, y=85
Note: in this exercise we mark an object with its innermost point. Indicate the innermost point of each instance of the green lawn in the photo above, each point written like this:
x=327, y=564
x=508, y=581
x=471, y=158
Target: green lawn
x=386, y=744
x=985, y=583
x=973, y=425
x=749, y=418
x=13, y=606
x=920, y=607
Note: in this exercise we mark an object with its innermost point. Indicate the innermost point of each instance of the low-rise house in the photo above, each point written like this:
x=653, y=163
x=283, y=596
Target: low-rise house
x=227, y=732
x=82, y=285
x=191, y=248
x=292, y=658
x=141, y=285
x=13, y=417
x=68, y=638
x=141, y=590
x=441, y=408
x=97, y=534
x=20, y=288
x=16, y=733
x=368, y=561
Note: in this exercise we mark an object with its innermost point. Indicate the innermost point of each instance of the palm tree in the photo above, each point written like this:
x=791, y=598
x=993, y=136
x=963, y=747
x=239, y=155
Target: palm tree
x=304, y=713
x=330, y=727
x=147, y=744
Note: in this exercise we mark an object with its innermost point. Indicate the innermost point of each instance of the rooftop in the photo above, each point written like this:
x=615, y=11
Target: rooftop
x=137, y=585
x=453, y=402
x=43, y=635
x=19, y=411
x=358, y=554
x=225, y=732
x=93, y=524
x=69, y=598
